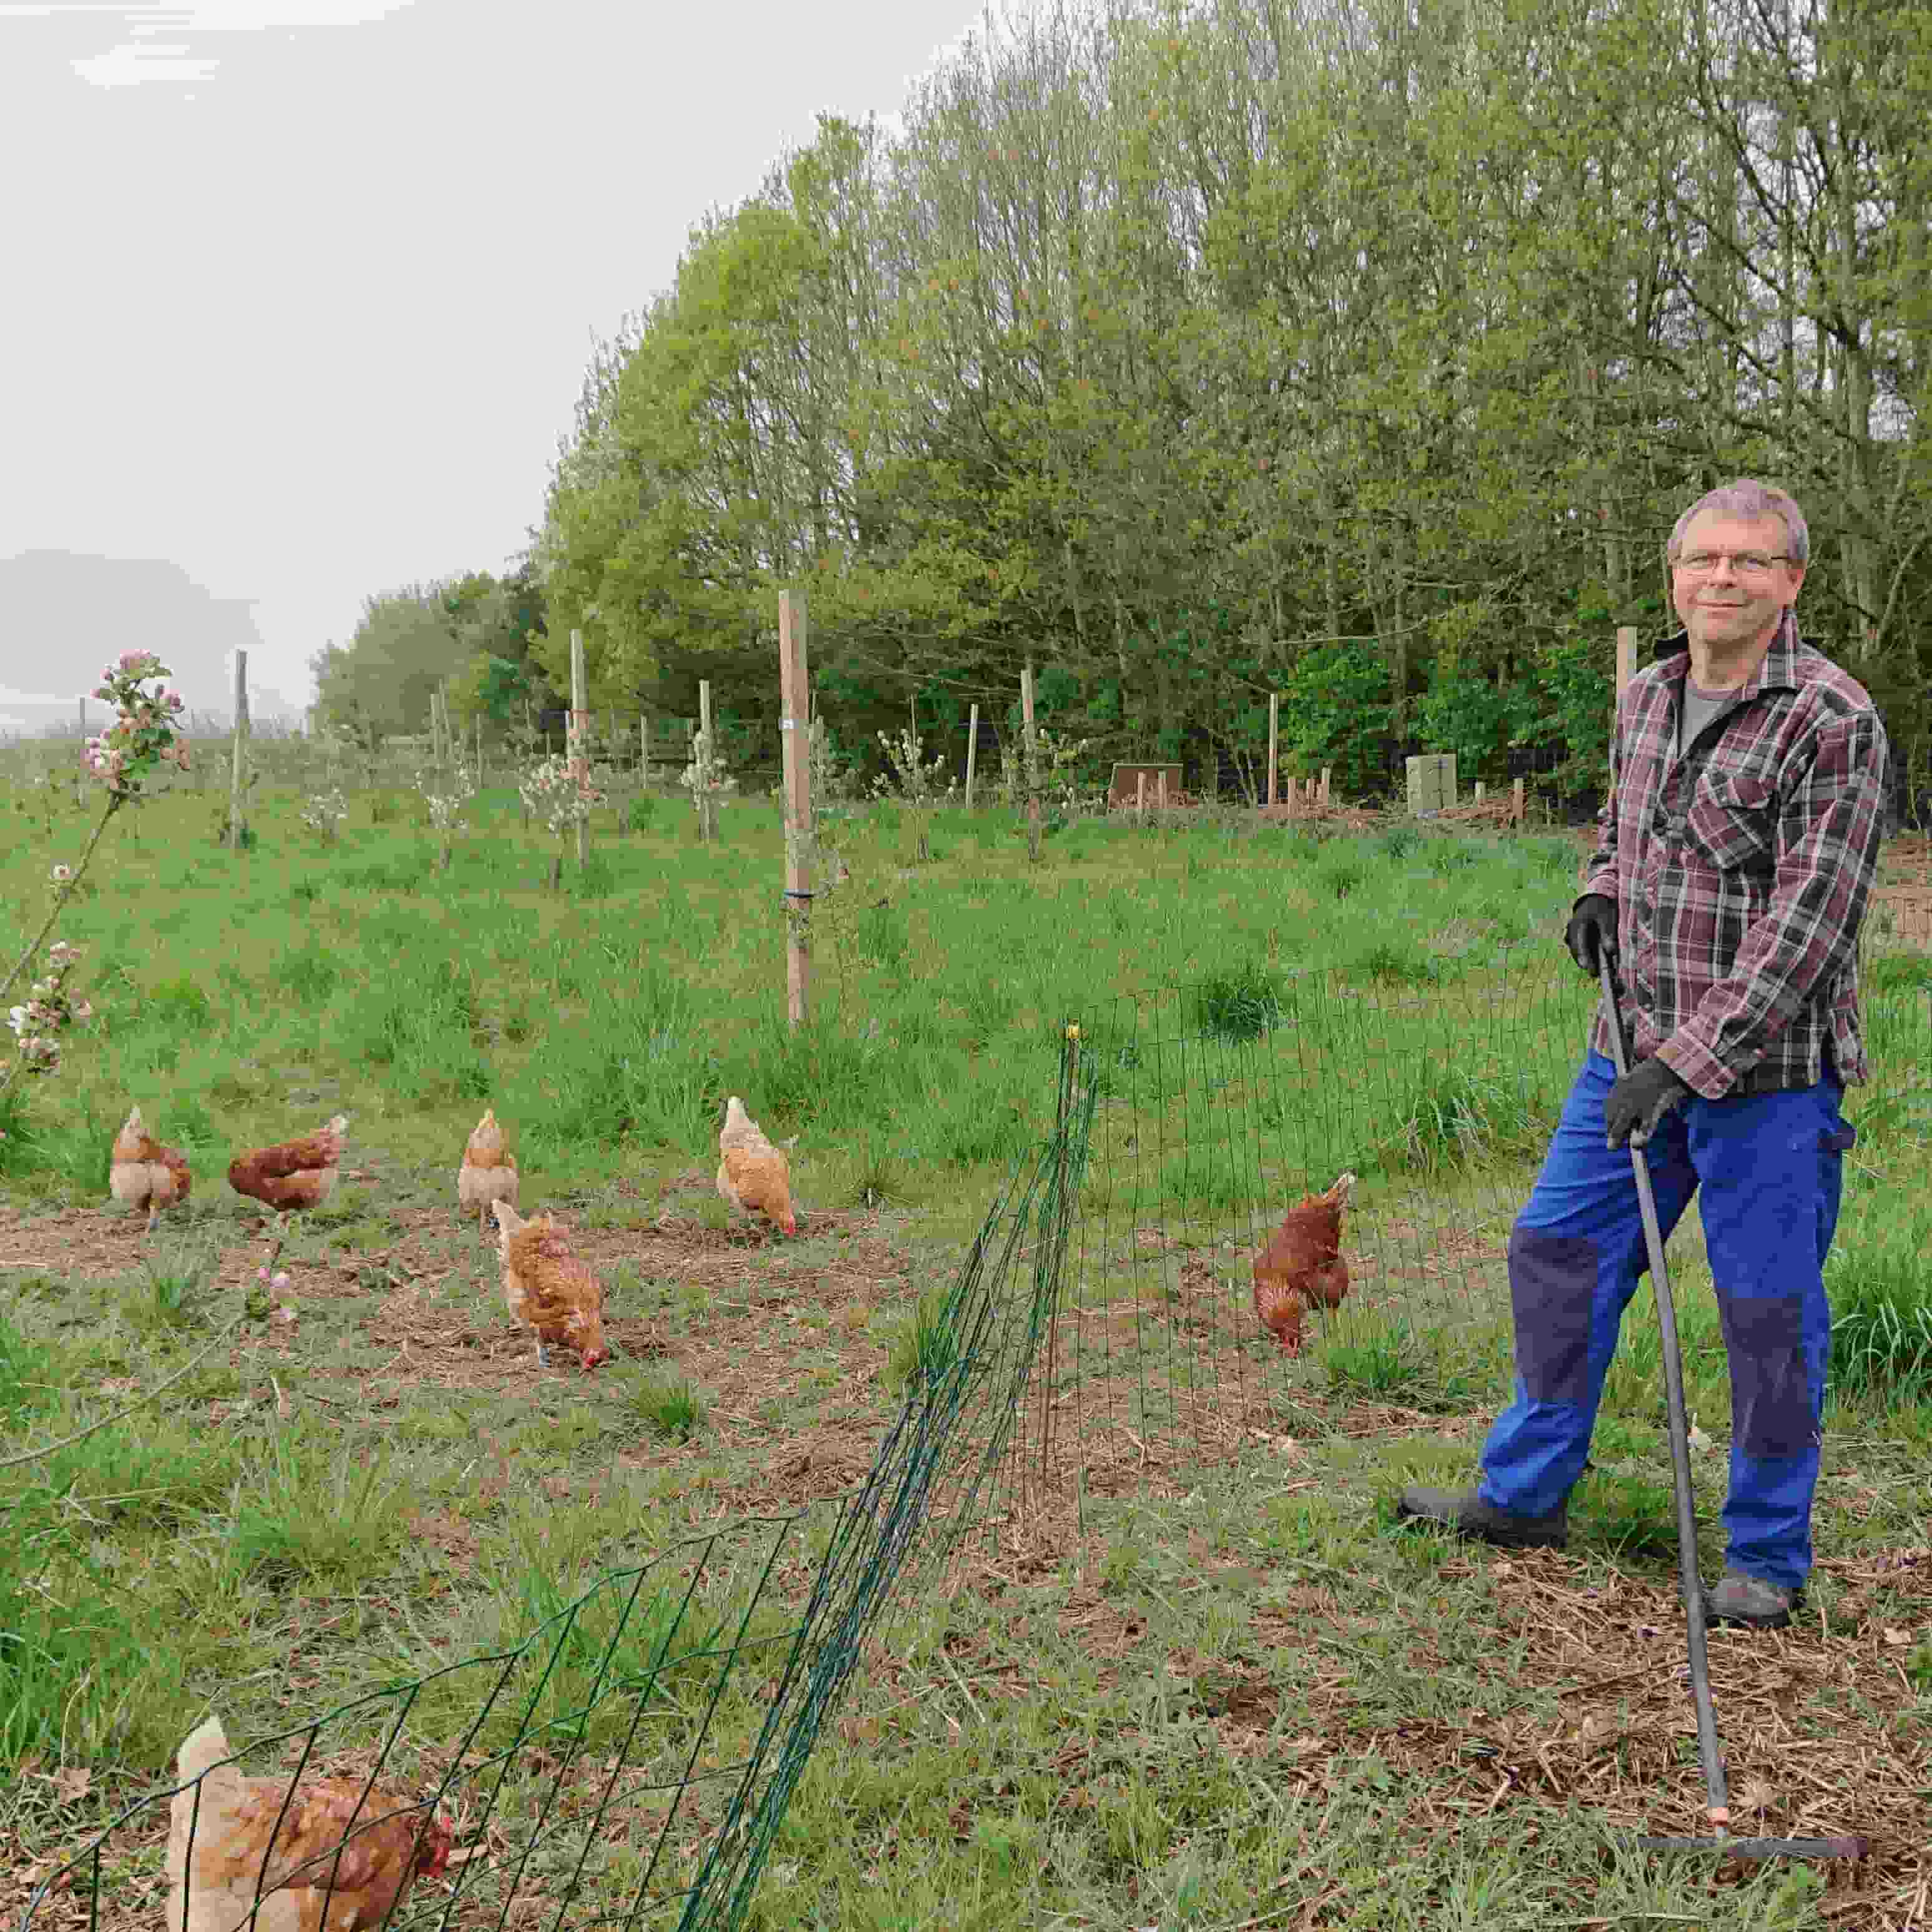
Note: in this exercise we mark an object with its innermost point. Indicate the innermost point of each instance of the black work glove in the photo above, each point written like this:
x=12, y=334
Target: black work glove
x=1593, y=924
x=1636, y=1105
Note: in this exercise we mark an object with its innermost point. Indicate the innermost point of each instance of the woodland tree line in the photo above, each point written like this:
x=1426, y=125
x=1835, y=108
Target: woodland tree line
x=1363, y=350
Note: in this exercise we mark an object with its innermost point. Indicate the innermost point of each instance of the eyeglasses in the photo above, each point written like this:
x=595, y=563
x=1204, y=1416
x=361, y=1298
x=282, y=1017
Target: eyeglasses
x=1745, y=562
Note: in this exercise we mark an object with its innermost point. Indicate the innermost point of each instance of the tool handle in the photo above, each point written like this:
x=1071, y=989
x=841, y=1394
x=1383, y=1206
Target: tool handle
x=1689, y=1580
x=1763, y=1848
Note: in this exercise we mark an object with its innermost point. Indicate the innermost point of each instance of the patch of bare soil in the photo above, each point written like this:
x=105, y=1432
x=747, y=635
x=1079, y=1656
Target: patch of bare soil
x=786, y=1327
x=1802, y=1714
x=1904, y=889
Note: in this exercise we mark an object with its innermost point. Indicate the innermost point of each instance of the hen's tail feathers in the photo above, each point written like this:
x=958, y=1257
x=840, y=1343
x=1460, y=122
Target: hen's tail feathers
x=204, y=1747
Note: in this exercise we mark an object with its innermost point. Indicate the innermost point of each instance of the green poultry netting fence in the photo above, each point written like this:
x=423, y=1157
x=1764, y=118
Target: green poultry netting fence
x=629, y=1762
x=1218, y=1103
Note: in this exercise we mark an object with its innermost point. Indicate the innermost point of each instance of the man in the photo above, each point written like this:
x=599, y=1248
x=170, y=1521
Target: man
x=1730, y=877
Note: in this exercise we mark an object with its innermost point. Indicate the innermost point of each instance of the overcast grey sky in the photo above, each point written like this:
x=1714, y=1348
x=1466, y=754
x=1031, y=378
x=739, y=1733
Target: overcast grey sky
x=301, y=292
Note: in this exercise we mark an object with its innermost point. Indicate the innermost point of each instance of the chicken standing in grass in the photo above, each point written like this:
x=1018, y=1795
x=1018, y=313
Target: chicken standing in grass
x=753, y=1175
x=143, y=1173
x=488, y=1173
x=296, y=1174
x=552, y=1294
x=336, y=1855
x=1302, y=1264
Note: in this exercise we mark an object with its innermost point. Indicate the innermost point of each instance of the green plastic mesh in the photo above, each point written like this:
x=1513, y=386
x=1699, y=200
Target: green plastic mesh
x=1221, y=1102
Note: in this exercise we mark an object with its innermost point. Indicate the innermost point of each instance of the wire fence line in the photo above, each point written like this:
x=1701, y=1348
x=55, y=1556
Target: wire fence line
x=1218, y=1104
x=630, y=1759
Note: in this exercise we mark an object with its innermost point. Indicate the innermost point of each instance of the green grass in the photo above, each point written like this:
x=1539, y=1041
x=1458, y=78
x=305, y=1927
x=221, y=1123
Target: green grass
x=671, y=1405
x=1879, y=1280
x=1241, y=1689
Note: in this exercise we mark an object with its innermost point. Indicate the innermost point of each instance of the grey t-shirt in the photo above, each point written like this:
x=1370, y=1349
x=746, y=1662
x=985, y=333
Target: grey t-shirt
x=1700, y=706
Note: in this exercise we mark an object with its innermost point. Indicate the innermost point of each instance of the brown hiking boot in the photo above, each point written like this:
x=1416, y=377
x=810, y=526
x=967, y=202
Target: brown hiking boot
x=1750, y=1600
x=1464, y=1512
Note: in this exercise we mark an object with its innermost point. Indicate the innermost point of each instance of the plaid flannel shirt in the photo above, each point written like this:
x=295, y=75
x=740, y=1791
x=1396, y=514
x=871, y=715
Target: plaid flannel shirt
x=1742, y=872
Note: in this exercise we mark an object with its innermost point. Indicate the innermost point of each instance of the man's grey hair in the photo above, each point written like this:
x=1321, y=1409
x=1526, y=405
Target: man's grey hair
x=1747, y=497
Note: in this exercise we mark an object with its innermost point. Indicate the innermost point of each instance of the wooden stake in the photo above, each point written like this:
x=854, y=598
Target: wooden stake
x=236, y=778
x=1032, y=761
x=1324, y=794
x=972, y=752
x=1515, y=802
x=530, y=731
x=1140, y=797
x=706, y=824
x=1160, y=796
x=1274, y=741
x=580, y=725
x=1626, y=668
x=794, y=725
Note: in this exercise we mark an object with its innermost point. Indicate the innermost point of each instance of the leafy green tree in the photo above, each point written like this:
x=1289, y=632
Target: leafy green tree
x=380, y=684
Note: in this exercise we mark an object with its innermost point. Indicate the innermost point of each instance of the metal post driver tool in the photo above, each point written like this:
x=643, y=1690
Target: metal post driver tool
x=1690, y=1580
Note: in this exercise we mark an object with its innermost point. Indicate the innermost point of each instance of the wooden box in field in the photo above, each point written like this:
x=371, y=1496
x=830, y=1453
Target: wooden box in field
x=1123, y=786
x=1432, y=782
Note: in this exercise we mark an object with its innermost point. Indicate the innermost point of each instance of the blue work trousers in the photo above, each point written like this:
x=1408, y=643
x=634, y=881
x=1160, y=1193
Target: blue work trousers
x=1770, y=1166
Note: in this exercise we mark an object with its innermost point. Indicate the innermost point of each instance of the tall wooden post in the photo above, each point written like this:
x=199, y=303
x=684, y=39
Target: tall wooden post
x=236, y=777
x=794, y=726
x=1032, y=761
x=1626, y=669
x=705, y=825
x=972, y=752
x=580, y=727
x=1274, y=741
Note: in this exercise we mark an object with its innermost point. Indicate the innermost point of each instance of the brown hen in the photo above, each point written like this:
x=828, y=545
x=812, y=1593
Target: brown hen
x=552, y=1294
x=753, y=1175
x=295, y=1173
x=143, y=1173
x=488, y=1172
x=334, y=1855
x=1302, y=1264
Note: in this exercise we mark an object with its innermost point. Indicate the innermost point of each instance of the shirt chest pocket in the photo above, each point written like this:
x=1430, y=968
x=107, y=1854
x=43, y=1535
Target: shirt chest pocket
x=1732, y=823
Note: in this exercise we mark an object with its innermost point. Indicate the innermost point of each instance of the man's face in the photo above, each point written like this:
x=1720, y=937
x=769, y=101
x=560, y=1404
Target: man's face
x=1732, y=605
